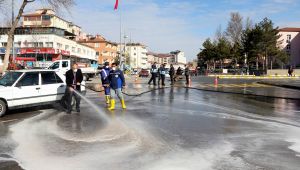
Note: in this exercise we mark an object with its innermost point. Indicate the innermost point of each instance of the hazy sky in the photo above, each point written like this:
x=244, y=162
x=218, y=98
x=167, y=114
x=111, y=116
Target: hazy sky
x=166, y=25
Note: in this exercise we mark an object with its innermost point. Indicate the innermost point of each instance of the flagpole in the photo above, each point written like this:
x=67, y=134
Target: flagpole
x=117, y=7
x=120, y=59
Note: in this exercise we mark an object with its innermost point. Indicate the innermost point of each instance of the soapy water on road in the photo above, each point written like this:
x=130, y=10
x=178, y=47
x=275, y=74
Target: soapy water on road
x=99, y=110
x=67, y=142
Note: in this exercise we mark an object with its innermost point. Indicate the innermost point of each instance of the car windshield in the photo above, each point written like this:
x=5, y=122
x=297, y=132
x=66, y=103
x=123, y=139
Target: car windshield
x=54, y=66
x=10, y=78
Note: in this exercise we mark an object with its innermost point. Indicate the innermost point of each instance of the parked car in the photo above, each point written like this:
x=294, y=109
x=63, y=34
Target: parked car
x=24, y=88
x=144, y=73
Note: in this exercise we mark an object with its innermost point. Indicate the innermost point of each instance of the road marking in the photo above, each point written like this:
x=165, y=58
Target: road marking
x=232, y=85
x=7, y=121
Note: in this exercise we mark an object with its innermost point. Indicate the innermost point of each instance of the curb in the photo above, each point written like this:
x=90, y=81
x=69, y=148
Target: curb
x=281, y=85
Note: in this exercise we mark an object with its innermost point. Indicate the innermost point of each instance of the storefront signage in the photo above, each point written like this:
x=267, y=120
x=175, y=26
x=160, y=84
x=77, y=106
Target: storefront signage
x=37, y=50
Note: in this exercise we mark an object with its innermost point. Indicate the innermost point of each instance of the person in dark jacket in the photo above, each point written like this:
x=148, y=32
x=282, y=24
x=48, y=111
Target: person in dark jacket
x=153, y=72
x=290, y=71
x=74, y=78
x=172, y=73
x=117, y=82
x=105, y=81
x=187, y=74
x=162, y=74
x=158, y=72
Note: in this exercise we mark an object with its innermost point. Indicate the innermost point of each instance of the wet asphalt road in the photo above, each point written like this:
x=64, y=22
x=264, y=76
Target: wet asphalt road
x=173, y=128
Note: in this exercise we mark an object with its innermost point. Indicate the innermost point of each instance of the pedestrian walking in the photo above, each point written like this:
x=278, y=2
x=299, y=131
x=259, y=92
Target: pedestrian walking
x=178, y=73
x=290, y=71
x=153, y=72
x=105, y=81
x=187, y=74
x=172, y=73
x=74, y=78
x=162, y=74
x=117, y=82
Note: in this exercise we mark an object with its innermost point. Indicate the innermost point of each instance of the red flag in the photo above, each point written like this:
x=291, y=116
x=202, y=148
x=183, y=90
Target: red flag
x=116, y=5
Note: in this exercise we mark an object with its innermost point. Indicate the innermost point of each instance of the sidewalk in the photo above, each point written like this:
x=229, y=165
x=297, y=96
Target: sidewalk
x=286, y=83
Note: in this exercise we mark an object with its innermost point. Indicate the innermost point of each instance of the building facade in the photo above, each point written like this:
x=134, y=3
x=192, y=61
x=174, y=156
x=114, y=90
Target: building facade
x=48, y=18
x=176, y=58
x=106, y=51
x=40, y=46
x=44, y=38
x=290, y=42
x=135, y=55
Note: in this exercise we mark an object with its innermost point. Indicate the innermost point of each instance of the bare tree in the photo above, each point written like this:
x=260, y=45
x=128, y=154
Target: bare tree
x=235, y=28
x=248, y=24
x=219, y=34
x=55, y=4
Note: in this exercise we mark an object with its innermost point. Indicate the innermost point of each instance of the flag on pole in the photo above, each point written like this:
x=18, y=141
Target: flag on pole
x=116, y=4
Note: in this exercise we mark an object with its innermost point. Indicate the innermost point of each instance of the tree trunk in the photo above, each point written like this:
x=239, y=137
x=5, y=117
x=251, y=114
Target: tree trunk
x=256, y=63
x=214, y=65
x=10, y=35
x=271, y=64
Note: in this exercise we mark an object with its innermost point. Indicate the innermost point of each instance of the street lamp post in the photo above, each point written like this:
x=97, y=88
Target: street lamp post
x=125, y=36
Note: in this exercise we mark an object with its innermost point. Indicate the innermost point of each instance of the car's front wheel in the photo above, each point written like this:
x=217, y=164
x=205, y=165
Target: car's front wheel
x=3, y=108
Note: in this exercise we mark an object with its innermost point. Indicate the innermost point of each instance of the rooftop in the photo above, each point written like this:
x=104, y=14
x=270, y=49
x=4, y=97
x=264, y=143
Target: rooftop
x=289, y=29
x=95, y=39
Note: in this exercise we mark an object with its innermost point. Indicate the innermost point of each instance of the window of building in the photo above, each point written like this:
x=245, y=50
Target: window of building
x=30, y=79
x=49, y=44
x=46, y=17
x=67, y=47
x=41, y=44
x=17, y=44
x=4, y=44
x=78, y=50
x=134, y=54
x=97, y=45
x=59, y=45
x=288, y=47
x=97, y=53
x=35, y=44
x=288, y=38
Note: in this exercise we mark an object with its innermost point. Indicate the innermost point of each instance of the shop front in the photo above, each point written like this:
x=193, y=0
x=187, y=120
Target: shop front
x=40, y=57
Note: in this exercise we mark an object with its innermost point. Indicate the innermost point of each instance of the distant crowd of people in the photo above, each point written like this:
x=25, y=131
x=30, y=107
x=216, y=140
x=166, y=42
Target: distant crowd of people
x=161, y=72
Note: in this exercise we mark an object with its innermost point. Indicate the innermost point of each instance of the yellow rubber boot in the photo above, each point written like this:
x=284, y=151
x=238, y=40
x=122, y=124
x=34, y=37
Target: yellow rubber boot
x=112, y=104
x=107, y=99
x=123, y=104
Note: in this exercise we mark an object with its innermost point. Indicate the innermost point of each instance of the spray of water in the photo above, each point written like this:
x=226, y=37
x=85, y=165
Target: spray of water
x=98, y=110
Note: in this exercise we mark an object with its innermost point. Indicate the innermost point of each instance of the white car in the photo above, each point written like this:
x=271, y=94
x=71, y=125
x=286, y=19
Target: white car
x=23, y=88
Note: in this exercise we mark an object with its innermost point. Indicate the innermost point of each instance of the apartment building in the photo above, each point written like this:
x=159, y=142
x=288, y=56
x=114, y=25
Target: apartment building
x=290, y=42
x=106, y=51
